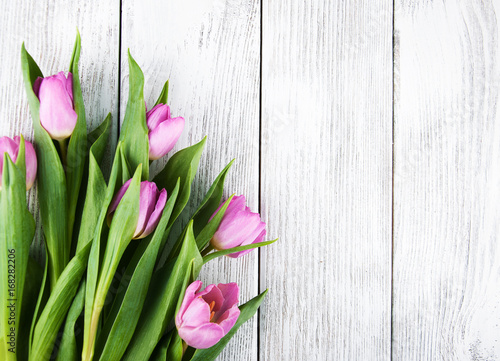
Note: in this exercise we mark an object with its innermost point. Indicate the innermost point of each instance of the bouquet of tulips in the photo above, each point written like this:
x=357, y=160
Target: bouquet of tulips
x=75, y=305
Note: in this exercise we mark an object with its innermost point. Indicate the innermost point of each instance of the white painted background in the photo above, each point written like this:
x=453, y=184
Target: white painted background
x=367, y=133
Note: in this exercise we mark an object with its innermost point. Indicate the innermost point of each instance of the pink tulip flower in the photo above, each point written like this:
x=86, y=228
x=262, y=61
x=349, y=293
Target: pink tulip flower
x=239, y=227
x=164, y=131
x=11, y=147
x=151, y=204
x=57, y=113
x=206, y=316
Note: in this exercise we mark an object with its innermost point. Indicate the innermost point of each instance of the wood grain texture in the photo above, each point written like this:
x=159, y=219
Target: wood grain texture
x=48, y=29
x=326, y=180
x=210, y=50
x=447, y=181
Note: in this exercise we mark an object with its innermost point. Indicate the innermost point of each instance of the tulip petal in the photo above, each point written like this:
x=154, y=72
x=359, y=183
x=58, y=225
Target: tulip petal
x=237, y=203
x=118, y=197
x=229, y=318
x=215, y=295
x=204, y=336
x=154, y=218
x=237, y=229
x=69, y=84
x=147, y=203
x=163, y=137
x=159, y=113
x=196, y=314
x=230, y=293
x=30, y=160
x=36, y=86
x=260, y=238
x=189, y=296
x=57, y=115
x=7, y=145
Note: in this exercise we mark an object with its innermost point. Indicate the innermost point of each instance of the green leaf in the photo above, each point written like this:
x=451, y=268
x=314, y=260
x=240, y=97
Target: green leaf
x=93, y=266
x=211, y=201
x=125, y=168
x=203, y=229
x=17, y=228
x=57, y=306
x=160, y=352
x=99, y=139
x=125, y=313
x=209, y=230
x=206, y=233
x=163, y=98
x=96, y=189
x=224, y=252
x=68, y=349
x=77, y=149
x=121, y=232
x=134, y=131
x=183, y=165
x=163, y=297
x=32, y=287
x=97, y=142
x=51, y=180
x=175, y=350
x=41, y=301
x=246, y=312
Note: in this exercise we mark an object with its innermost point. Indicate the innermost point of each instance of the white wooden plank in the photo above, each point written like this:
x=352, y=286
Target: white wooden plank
x=48, y=29
x=326, y=180
x=447, y=181
x=210, y=50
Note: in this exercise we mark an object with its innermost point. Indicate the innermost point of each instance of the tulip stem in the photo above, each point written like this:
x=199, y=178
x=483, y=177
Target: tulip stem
x=64, y=150
x=207, y=250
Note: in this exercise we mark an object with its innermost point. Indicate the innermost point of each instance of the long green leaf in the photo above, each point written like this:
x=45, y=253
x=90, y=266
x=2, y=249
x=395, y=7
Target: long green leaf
x=224, y=252
x=183, y=165
x=125, y=321
x=17, y=229
x=209, y=230
x=51, y=180
x=202, y=228
x=163, y=98
x=77, y=149
x=68, y=350
x=94, y=258
x=211, y=201
x=32, y=287
x=246, y=312
x=57, y=306
x=97, y=141
x=206, y=233
x=134, y=131
x=40, y=302
x=96, y=189
x=167, y=286
x=123, y=226
x=160, y=352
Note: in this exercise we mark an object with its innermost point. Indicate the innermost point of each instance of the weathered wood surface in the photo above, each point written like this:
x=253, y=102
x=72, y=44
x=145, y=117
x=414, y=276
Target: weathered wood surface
x=446, y=181
x=386, y=251
x=326, y=180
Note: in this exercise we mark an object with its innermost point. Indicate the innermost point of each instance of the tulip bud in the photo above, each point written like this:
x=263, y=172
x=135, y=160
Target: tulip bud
x=164, y=131
x=151, y=204
x=57, y=113
x=206, y=316
x=239, y=227
x=11, y=147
